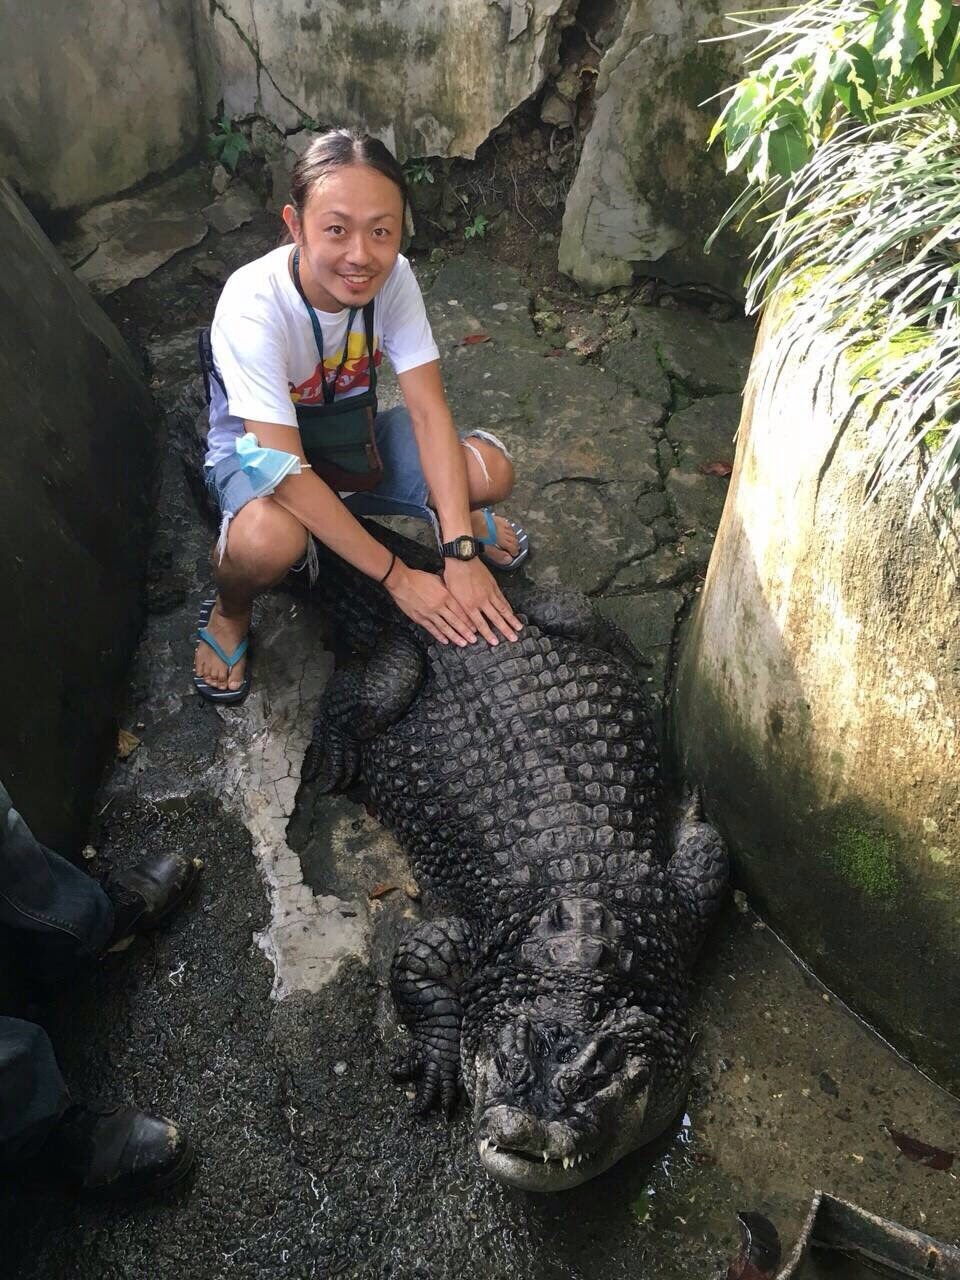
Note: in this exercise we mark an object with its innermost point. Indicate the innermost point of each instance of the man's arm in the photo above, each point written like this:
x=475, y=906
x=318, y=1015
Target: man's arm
x=422, y=596
x=445, y=470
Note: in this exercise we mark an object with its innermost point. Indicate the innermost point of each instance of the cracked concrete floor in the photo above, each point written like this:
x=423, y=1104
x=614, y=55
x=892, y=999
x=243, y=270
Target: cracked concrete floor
x=261, y=1019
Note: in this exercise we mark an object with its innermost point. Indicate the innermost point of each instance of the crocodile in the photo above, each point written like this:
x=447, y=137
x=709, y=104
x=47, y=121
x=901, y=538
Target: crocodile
x=524, y=783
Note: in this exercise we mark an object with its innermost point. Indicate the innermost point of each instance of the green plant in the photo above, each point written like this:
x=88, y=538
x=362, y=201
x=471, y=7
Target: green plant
x=476, y=228
x=227, y=144
x=829, y=60
x=850, y=131
x=417, y=171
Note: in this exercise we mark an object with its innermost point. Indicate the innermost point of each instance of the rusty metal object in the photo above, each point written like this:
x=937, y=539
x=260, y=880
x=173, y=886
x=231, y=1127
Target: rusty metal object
x=833, y=1224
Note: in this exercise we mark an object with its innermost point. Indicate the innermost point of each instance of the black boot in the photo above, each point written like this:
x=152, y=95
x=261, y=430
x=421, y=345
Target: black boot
x=145, y=895
x=118, y=1150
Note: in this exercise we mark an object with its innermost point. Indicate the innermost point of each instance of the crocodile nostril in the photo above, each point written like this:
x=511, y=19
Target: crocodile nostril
x=515, y=1130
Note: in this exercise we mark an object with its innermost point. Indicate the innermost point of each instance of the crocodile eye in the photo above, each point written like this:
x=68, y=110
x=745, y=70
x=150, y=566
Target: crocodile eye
x=566, y=1053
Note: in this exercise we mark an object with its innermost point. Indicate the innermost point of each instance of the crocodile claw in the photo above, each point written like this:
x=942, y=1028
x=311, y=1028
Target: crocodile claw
x=437, y=1077
x=330, y=764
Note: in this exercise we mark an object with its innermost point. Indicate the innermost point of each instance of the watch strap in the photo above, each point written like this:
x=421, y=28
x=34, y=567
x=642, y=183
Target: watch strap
x=466, y=547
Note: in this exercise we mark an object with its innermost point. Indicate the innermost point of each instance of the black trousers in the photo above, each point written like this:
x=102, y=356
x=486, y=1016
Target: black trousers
x=53, y=917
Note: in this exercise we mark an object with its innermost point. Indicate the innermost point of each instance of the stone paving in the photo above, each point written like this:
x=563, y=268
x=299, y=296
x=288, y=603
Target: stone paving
x=261, y=1018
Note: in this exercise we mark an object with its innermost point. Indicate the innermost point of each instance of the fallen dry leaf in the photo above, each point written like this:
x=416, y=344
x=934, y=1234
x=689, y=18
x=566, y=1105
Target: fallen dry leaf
x=472, y=339
x=555, y=351
x=715, y=468
x=921, y=1152
x=381, y=890
x=127, y=743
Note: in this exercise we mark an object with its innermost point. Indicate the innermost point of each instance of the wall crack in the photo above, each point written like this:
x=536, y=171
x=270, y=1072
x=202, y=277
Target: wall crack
x=253, y=45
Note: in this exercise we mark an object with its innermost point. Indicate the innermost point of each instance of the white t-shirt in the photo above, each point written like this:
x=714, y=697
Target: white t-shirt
x=265, y=351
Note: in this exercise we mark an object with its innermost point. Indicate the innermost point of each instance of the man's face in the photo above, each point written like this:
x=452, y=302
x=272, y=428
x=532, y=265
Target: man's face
x=349, y=236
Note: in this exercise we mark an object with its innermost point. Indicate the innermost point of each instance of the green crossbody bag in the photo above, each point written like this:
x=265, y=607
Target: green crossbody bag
x=338, y=435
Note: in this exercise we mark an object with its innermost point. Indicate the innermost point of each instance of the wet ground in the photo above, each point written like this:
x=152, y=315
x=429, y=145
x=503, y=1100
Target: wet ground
x=261, y=1020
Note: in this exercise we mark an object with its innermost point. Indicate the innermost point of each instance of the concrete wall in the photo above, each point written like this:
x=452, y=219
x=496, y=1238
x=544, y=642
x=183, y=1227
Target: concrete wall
x=75, y=498
x=818, y=702
x=95, y=95
x=430, y=78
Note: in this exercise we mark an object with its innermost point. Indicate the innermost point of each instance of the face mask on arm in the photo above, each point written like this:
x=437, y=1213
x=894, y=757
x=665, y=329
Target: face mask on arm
x=265, y=468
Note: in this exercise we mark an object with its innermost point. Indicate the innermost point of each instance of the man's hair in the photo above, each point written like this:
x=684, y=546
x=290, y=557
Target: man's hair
x=337, y=149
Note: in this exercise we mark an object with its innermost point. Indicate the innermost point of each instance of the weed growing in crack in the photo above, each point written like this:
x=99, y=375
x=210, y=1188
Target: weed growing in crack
x=476, y=228
x=227, y=144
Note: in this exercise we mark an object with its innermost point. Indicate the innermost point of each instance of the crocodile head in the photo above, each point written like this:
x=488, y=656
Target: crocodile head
x=566, y=1073
x=557, y=1104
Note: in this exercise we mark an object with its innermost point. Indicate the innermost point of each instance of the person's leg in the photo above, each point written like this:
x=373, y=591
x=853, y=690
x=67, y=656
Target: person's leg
x=106, y=1148
x=263, y=543
x=33, y=1095
x=404, y=490
x=62, y=909
x=54, y=917
x=490, y=479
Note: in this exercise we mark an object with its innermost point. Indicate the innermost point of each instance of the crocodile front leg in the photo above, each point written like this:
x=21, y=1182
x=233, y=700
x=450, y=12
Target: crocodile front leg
x=361, y=700
x=428, y=969
x=698, y=866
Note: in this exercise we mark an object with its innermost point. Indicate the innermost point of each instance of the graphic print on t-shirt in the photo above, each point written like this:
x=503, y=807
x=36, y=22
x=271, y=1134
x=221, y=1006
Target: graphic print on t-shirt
x=355, y=375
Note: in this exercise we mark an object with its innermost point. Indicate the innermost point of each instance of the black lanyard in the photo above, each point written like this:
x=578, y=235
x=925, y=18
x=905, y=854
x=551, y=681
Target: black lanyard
x=330, y=388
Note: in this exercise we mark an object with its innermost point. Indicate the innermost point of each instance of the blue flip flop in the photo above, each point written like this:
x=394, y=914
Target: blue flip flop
x=491, y=541
x=226, y=697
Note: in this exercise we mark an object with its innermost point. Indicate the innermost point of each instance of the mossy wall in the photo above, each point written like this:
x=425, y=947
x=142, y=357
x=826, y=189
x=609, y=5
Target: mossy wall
x=818, y=698
x=647, y=192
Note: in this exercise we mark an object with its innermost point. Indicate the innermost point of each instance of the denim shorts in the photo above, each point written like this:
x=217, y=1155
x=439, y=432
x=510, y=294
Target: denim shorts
x=402, y=490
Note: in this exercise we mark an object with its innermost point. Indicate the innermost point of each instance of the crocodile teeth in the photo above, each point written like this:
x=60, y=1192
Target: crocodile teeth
x=568, y=1162
x=545, y=1157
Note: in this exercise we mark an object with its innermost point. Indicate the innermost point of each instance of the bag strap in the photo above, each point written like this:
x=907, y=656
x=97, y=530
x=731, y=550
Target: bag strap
x=207, y=366
x=368, y=328
x=329, y=388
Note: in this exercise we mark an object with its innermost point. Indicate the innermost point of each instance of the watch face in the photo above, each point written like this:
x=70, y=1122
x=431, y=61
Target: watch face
x=465, y=548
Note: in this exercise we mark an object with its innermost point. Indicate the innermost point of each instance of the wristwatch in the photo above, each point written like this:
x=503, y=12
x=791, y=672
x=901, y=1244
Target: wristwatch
x=462, y=548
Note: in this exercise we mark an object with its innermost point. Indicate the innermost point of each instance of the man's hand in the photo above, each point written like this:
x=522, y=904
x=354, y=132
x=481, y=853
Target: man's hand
x=475, y=589
x=425, y=599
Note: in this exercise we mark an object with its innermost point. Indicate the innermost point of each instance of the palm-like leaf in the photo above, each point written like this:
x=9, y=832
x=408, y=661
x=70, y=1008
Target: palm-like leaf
x=867, y=242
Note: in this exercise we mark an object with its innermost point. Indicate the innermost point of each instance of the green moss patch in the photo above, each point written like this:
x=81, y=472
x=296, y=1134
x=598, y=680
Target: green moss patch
x=867, y=858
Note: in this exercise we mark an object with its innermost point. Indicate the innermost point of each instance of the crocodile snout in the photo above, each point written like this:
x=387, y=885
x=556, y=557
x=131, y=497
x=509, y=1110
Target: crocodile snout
x=511, y=1129
x=520, y=1149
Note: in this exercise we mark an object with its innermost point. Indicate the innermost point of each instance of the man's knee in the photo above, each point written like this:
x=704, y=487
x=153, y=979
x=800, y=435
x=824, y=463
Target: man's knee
x=264, y=541
x=489, y=470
